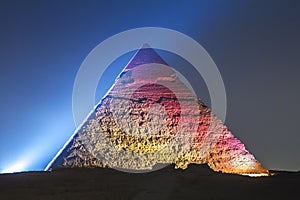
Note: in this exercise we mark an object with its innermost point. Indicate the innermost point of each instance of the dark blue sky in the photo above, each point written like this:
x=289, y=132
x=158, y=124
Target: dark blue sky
x=255, y=45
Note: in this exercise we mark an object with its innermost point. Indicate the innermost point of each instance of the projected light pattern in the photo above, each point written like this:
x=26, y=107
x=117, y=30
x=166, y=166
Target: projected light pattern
x=127, y=131
x=148, y=137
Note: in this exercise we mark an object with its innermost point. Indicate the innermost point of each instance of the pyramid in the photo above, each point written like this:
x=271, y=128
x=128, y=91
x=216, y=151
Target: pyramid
x=150, y=117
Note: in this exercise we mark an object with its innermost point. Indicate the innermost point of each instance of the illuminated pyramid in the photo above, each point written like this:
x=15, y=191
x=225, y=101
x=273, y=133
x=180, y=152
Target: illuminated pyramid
x=150, y=117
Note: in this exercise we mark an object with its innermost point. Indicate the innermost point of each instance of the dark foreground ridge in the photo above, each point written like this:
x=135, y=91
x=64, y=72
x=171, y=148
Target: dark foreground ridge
x=196, y=182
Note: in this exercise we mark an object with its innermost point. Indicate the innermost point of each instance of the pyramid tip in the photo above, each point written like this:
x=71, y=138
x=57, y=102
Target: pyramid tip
x=146, y=46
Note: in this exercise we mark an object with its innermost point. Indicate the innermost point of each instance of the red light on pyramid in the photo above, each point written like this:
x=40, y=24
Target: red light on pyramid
x=148, y=117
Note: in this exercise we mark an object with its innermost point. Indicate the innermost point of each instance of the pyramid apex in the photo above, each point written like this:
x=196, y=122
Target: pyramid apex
x=145, y=55
x=146, y=46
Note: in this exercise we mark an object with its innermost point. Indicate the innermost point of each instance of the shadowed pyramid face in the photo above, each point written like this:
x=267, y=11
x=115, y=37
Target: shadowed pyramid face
x=151, y=117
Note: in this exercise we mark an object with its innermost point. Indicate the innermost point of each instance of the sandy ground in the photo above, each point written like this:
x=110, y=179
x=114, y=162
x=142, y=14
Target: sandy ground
x=197, y=182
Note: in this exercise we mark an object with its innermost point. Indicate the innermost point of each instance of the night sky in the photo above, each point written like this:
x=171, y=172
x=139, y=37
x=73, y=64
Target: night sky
x=255, y=45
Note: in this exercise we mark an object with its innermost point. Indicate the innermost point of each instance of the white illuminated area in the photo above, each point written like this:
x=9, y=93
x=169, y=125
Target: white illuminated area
x=257, y=175
x=17, y=167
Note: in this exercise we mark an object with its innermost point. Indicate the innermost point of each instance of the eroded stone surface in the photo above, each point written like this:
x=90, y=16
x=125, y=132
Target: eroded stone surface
x=151, y=117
